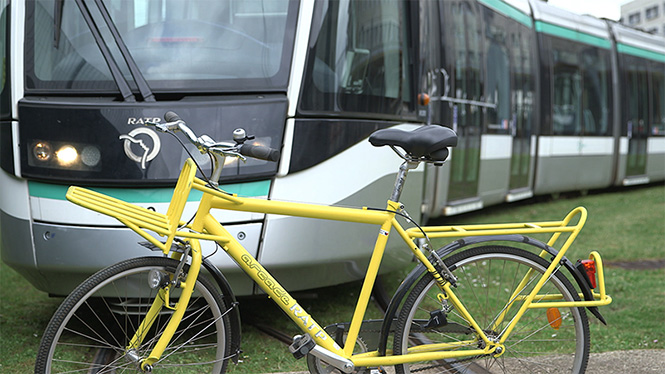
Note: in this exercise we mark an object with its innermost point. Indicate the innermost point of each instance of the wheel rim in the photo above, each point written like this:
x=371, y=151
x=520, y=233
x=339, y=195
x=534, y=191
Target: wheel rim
x=530, y=346
x=94, y=334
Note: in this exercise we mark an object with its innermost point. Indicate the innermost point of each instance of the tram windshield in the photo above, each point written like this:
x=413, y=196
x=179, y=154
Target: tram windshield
x=195, y=45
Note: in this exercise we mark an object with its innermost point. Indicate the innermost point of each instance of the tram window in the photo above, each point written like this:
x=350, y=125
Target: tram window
x=466, y=44
x=498, y=81
x=5, y=105
x=658, y=99
x=524, y=73
x=359, y=61
x=567, y=87
x=67, y=55
x=509, y=74
x=596, y=92
x=177, y=45
x=430, y=55
x=636, y=95
x=581, y=89
x=464, y=57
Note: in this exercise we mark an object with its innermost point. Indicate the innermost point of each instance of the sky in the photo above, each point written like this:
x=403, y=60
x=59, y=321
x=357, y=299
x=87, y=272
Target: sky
x=610, y=9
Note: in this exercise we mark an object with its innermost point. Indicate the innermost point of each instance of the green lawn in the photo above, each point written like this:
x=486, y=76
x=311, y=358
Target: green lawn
x=624, y=225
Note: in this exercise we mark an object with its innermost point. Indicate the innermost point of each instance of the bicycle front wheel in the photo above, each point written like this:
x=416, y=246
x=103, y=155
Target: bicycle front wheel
x=91, y=330
x=548, y=340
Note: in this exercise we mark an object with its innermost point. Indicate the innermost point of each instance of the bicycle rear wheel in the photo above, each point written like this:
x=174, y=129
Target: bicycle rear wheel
x=91, y=329
x=549, y=340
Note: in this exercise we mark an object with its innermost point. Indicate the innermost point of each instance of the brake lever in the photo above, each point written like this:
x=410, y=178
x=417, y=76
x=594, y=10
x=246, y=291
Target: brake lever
x=227, y=152
x=166, y=126
x=204, y=142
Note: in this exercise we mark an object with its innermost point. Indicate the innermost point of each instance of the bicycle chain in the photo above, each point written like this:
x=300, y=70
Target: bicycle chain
x=446, y=364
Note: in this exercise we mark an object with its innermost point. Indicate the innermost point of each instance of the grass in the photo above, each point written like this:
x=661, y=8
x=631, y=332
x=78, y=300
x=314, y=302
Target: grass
x=24, y=314
x=623, y=225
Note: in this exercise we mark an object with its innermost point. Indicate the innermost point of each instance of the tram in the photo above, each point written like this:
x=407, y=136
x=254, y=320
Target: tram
x=543, y=101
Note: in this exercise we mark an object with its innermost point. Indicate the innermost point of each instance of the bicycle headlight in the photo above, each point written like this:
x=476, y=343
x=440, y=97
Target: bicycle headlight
x=64, y=155
x=156, y=279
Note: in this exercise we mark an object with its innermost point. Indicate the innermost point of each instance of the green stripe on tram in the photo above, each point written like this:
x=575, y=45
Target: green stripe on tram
x=640, y=52
x=148, y=195
x=566, y=33
x=509, y=11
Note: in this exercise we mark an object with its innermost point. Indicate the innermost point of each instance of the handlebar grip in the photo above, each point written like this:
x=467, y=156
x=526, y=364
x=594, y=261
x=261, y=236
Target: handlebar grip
x=171, y=117
x=259, y=151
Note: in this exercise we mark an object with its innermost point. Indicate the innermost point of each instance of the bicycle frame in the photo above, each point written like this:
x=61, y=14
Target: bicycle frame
x=206, y=227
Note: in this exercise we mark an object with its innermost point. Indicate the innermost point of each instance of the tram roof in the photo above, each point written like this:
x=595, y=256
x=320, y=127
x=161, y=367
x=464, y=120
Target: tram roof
x=516, y=9
x=561, y=23
x=639, y=43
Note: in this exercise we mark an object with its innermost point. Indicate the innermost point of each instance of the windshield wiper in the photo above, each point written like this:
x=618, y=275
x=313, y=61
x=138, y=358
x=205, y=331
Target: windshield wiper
x=120, y=81
x=57, y=22
x=117, y=75
x=142, y=84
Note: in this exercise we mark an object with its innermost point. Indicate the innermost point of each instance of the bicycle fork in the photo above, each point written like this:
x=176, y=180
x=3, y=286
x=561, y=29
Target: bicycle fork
x=163, y=300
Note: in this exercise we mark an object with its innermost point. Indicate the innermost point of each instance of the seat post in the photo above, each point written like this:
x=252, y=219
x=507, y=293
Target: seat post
x=401, y=178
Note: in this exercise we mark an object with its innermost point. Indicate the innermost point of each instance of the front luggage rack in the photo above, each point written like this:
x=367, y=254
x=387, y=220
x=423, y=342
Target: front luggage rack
x=138, y=218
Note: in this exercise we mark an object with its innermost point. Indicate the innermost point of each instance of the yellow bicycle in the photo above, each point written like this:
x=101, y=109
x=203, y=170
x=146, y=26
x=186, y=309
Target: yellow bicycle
x=470, y=306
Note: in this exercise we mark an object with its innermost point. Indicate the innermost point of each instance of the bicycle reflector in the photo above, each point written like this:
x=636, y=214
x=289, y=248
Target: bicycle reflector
x=554, y=317
x=588, y=267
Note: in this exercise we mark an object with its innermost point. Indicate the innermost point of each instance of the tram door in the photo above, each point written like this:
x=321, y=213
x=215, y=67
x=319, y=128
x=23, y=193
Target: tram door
x=509, y=90
x=636, y=118
x=523, y=88
x=462, y=45
x=520, y=161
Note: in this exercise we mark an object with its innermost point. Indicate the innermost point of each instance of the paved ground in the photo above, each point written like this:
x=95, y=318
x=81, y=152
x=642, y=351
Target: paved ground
x=620, y=362
x=638, y=361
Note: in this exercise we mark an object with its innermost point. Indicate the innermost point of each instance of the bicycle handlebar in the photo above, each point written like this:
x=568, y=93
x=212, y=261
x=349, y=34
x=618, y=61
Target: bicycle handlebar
x=208, y=145
x=259, y=151
x=171, y=117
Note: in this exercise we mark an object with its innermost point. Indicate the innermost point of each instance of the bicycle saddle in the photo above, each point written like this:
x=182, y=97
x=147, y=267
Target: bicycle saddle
x=428, y=142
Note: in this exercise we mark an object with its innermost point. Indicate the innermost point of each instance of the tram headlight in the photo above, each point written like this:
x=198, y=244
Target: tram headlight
x=67, y=155
x=64, y=155
x=42, y=151
x=91, y=156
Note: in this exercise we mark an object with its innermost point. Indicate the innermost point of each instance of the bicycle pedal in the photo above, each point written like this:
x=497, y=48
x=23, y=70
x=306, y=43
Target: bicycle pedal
x=301, y=346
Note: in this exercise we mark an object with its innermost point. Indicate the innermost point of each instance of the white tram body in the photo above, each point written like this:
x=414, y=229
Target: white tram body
x=543, y=101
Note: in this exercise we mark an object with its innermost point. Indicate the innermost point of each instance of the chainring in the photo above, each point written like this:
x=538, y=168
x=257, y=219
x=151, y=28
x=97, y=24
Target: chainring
x=317, y=366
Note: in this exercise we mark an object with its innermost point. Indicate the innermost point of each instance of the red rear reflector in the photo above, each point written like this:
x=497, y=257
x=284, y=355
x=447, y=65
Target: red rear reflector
x=590, y=268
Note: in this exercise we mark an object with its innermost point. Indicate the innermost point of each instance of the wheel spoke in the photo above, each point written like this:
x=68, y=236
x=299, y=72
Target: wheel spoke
x=487, y=278
x=90, y=331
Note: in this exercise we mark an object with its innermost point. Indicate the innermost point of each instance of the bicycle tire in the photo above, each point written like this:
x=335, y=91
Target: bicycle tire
x=487, y=276
x=91, y=329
